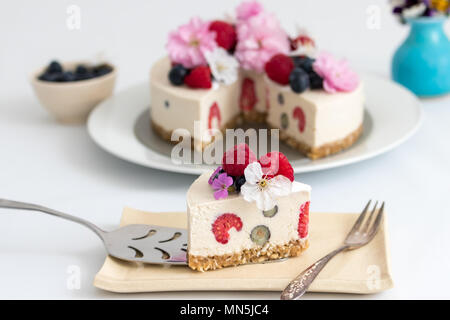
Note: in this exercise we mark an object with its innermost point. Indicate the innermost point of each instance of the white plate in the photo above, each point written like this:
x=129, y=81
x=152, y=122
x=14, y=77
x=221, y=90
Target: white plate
x=121, y=126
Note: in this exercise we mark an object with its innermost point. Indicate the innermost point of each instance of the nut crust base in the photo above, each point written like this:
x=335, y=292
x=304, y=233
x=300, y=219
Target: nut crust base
x=324, y=150
x=238, y=120
x=292, y=249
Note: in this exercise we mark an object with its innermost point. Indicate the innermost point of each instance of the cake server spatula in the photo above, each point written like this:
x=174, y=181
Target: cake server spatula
x=136, y=242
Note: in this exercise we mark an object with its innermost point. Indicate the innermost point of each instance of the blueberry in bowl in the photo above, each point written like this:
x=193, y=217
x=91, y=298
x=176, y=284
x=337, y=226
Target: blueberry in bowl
x=56, y=73
x=69, y=91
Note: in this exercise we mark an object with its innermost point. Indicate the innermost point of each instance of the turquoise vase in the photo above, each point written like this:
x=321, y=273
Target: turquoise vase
x=422, y=62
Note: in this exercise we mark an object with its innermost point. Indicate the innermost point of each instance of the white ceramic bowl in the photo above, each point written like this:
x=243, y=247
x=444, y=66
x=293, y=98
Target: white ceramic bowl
x=71, y=102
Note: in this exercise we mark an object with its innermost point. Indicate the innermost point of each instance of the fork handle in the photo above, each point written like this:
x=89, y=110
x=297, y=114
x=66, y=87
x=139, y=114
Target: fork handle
x=9, y=204
x=297, y=287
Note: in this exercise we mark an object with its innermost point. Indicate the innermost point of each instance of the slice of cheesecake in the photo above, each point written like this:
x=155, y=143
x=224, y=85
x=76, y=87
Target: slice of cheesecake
x=235, y=230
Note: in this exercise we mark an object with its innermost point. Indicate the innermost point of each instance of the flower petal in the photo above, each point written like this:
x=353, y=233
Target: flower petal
x=180, y=47
x=279, y=186
x=220, y=194
x=214, y=174
x=228, y=181
x=250, y=192
x=224, y=66
x=216, y=184
x=262, y=35
x=253, y=173
x=336, y=74
x=265, y=201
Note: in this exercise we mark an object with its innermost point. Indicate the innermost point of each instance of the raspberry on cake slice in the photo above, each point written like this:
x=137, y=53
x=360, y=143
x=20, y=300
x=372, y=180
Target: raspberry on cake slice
x=248, y=210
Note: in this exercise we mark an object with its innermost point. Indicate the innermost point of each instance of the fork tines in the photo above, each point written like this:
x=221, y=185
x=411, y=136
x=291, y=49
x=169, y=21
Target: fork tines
x=369, y=224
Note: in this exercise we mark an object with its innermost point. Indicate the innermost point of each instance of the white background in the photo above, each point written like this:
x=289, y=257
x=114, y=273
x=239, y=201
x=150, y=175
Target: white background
x=59, y=166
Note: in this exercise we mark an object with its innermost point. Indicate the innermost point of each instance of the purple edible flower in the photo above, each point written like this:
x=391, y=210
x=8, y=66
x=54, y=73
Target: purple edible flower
x=214, y=175
x=220, y=185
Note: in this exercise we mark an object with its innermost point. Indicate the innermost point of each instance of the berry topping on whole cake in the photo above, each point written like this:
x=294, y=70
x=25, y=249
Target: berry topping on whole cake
x=279, y=68
x=254, y=40
x=226, y=36
x=299, y=80
x=177, y=74
x=302, y=73
x=199, y=77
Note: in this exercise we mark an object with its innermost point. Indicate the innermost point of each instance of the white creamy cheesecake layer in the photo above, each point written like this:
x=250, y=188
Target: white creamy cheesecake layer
x=175, y=107
x=203, y=210
x=328, y=117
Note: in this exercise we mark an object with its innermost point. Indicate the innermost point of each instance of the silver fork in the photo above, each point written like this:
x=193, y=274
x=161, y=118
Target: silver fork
x=362, y=232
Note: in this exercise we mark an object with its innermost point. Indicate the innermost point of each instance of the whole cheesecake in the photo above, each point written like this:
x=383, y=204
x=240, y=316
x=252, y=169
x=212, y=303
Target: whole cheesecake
x=314, y=122
x=228, y=227
x=220, y=74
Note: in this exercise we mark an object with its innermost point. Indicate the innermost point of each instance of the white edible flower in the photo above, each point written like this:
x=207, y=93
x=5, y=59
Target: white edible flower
x=262, y=190
x=414, y=11
x=224, y=66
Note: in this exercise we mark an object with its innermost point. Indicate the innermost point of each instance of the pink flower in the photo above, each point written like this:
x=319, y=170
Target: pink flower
x=259, y=39
x=214, y=175
x=336, y=74
x=248, y=9
x=220, y=185
x=188, y=44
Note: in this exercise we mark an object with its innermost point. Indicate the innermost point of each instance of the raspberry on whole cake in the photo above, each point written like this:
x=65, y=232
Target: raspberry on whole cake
x=239, y=67
x=239, y=214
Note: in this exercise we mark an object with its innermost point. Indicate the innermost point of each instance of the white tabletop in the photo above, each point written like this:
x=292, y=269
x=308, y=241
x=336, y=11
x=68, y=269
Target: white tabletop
x=59, y=166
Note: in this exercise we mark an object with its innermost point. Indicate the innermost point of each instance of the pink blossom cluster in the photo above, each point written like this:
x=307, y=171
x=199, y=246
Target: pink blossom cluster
x=260, y=36
x=189, y=43
x=337, y=75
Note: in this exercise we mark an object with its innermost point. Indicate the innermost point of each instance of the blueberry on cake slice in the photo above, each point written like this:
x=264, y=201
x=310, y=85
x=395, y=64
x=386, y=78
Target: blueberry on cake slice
x=248, y=210
x=219, y=75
